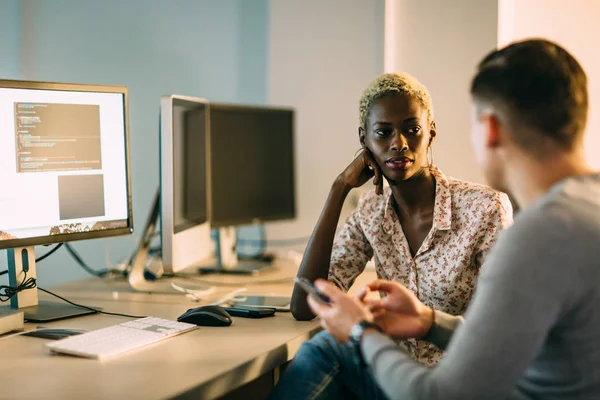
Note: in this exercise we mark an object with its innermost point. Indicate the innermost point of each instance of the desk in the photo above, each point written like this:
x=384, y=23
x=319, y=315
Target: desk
x=207, y=363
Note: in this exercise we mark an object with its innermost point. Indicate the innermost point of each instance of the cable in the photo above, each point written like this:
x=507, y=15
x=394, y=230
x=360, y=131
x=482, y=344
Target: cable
x=254, y=281
x=78, y=259
x=48, y=254
x=41, y=258
x=89, y=308
x=6, y=291
x=82, y=264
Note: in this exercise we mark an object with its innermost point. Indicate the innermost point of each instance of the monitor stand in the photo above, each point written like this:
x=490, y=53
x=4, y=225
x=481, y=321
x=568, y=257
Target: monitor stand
x=227, y=259
x=136, y=277
x=21, y=266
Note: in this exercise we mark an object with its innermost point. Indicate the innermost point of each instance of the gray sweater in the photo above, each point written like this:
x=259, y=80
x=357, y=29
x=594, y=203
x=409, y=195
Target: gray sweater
x=532, y=330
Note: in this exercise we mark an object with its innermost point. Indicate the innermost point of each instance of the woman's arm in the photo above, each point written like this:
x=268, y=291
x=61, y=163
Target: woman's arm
x=317, y=256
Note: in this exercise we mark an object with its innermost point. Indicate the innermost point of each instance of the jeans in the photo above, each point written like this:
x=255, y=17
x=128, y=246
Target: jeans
x=325, y=369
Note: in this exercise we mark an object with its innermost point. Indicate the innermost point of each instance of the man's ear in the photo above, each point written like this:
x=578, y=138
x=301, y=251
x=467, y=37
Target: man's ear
x=432, y=133
x=491, y=125
x=361, y=136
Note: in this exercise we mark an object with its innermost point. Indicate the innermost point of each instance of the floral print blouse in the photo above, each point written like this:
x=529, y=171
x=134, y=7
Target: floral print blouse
x=467, y=220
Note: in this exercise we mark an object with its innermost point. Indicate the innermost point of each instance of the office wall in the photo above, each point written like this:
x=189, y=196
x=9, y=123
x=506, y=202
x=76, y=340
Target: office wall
x=574, y=25
x=10, y=39
x=322, y=54
x=203, y=48
x=440, y=42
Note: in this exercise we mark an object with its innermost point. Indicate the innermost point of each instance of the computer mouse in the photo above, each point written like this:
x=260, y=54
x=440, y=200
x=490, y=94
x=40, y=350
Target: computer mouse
x=206, y=316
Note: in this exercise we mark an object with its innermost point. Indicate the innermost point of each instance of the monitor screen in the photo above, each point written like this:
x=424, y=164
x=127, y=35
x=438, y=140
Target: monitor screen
x=251, y=164
x=63, y=163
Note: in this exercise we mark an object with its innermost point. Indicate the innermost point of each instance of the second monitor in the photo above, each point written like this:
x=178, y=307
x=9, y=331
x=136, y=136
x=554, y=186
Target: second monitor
x=251, y=171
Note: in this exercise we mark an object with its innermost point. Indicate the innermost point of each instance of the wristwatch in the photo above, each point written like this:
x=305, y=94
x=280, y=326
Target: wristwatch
x=357, y=331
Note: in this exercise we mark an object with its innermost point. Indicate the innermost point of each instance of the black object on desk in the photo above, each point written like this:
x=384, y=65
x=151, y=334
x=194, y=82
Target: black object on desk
x=247, y=312
x=53, y=334
x=206, y=316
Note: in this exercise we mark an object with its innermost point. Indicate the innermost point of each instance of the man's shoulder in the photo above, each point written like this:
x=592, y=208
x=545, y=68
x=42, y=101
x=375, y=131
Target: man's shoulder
x=558, y=224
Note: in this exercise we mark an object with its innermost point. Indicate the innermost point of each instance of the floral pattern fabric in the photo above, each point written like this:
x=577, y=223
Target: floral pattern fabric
x=467, y=220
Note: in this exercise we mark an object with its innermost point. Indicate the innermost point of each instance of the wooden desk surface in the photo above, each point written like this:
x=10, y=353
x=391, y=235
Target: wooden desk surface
x=206, y=363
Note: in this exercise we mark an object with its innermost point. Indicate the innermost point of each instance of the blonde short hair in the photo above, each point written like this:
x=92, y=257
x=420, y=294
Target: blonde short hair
x=394, y=83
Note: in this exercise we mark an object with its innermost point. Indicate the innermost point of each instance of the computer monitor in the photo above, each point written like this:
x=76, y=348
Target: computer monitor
x=251, y=174
x=64, y=172
x=184, y=225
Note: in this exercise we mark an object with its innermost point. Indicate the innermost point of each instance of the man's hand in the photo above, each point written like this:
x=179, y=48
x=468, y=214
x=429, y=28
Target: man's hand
x=400, y=313
x=343, y=312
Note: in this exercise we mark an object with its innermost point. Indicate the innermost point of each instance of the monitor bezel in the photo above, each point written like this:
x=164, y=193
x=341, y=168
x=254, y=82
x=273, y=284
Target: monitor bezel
x=69, y=237
x=257, y=220
x=195, y=239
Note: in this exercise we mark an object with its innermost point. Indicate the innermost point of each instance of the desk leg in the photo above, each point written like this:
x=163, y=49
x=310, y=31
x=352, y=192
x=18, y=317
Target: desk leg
x=276, y=373
x=258, y=389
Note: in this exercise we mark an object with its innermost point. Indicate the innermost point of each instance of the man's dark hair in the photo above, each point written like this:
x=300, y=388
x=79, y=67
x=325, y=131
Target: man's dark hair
x=538, y=85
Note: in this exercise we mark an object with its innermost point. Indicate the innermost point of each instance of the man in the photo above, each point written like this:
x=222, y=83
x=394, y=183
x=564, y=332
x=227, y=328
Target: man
x=532, y=330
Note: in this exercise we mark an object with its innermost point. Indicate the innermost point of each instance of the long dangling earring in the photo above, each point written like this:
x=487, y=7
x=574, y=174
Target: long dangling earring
x=429, y=149
x=430, y=157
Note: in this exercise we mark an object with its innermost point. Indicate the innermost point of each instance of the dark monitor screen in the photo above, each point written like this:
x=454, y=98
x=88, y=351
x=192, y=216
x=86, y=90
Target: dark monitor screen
x=252, y=164
x=189, y=161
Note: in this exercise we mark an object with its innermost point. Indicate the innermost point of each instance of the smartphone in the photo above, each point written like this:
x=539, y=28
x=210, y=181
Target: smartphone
x=279, y=303
x=311, y=289
x=247, y=312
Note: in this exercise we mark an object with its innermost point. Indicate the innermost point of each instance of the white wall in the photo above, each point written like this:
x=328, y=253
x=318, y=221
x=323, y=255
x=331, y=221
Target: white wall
x=204, y=48
x=322, y=54
x=440, y=42
x=574, y=25
x=316, y=56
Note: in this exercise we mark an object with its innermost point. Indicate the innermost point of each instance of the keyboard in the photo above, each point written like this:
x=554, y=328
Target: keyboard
x=118, y=339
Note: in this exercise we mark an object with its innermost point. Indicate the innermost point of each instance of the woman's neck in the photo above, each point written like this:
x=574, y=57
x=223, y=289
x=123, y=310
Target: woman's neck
x=414, y=194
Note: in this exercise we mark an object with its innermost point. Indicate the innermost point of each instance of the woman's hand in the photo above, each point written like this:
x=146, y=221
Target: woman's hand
x=360, y=170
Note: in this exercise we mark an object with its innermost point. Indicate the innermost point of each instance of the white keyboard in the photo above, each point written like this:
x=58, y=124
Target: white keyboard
x=118, y=339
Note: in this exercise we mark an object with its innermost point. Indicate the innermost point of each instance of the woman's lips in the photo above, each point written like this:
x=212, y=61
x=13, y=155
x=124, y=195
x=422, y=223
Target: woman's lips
x=399, y=163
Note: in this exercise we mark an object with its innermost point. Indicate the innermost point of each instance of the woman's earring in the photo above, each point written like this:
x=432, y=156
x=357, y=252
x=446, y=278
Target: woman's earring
x=430, y=157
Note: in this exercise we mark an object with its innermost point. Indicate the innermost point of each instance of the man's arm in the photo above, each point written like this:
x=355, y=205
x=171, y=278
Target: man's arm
x=519, y=297
x=443, y=327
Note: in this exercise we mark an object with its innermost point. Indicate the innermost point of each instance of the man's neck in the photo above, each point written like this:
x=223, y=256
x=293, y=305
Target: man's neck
x=532, y=178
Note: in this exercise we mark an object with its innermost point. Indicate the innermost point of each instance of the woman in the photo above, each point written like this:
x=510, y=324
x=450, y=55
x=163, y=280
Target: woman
x=426, y=231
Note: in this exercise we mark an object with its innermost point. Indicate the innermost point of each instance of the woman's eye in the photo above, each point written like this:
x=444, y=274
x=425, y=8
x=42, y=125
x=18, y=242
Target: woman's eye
x=382, y=132
x=413, y=130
